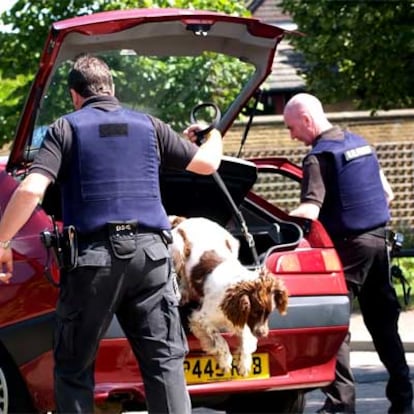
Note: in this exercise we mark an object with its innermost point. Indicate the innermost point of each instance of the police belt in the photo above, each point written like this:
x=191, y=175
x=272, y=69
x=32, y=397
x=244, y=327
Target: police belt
x=120, y=228
x=379, y=231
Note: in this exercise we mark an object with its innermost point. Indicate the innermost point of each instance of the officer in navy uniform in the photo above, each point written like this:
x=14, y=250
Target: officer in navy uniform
x=106, y=159
x=344, y=187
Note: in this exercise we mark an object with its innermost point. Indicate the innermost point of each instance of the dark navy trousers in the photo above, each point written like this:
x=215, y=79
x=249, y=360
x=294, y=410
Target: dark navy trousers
x=367, y=271
x=139, y=291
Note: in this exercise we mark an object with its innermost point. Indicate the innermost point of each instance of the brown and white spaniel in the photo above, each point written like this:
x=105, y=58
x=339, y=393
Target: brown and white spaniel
x=232, y=298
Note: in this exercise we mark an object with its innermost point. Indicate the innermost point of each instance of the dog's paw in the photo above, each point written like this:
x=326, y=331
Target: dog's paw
x=244, y=364
x=225, y=362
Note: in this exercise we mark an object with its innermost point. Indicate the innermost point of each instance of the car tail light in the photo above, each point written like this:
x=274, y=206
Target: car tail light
x=305, y=261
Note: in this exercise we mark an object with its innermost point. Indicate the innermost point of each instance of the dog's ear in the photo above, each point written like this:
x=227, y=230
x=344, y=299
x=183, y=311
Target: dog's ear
x=236, y=306
x=277, y=288
x=187, y=246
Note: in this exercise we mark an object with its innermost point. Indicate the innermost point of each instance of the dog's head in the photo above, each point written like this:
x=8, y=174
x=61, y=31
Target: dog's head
x=252, y=301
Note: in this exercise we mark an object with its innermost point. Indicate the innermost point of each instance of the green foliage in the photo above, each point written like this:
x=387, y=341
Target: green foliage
x=30, y=21
x=166, y=87
x=10, y=92
x=361, y=50
x=176, y=84
x=406, y=264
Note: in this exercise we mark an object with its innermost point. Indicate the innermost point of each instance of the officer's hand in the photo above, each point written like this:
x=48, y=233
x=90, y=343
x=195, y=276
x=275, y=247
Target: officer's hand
x=191, y=131
x=6, y=264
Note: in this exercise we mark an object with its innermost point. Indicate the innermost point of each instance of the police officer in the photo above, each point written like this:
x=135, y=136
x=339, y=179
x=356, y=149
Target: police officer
x=345, y=189
x=106, y=159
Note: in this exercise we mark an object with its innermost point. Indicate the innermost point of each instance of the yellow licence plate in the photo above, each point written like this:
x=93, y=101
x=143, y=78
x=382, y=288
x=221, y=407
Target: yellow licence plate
x=205, y=369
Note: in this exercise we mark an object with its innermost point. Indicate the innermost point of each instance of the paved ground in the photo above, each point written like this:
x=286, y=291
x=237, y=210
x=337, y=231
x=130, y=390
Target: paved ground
x=370, y=374
x=371, y=378
x=361, y=340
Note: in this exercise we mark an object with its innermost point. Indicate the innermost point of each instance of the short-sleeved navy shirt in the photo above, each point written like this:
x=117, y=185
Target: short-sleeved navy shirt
x=318, y=172
x=55, y=153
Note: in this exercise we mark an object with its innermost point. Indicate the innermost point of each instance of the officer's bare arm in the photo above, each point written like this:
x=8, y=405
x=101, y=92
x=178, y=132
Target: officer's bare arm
x=208, y=157
x=22, y=204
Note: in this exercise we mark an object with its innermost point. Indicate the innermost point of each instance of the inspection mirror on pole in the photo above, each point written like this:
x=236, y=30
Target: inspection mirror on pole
x=205, y=113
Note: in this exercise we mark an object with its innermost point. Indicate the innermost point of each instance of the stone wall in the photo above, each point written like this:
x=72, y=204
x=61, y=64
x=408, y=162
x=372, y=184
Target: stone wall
x=391, y=133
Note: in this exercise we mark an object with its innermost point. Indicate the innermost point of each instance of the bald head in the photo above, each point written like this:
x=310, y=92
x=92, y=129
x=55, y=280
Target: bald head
x=304, y=102
x=305, y=118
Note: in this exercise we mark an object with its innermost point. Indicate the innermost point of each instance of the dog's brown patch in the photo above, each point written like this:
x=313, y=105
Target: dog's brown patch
x=176, y=220
x=187, y=244
x=209, y=260
x=277, y=288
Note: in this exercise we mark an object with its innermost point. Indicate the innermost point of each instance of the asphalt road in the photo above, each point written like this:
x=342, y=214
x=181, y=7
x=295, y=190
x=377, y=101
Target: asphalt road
x=371, y=380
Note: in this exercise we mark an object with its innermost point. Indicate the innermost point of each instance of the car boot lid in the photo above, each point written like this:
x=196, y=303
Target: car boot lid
x=155, y=31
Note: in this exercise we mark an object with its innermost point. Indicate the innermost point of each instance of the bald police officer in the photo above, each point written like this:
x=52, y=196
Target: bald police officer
x=345, y=188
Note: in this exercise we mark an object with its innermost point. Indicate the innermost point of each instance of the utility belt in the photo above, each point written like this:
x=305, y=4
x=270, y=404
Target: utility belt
x=121, y=230
x=63, y=245
x=379, y=231
x=121, y=236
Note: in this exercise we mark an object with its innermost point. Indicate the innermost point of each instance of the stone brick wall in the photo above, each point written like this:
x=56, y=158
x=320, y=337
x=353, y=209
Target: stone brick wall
x=391, y=133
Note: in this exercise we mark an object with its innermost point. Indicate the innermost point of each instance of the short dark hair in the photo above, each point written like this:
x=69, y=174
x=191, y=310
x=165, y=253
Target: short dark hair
x=90, y=76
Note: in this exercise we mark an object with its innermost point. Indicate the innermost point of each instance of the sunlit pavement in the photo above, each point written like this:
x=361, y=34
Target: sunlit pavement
x=371, y=379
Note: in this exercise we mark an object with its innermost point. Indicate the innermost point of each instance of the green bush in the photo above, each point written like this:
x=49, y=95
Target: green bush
x=406, y=265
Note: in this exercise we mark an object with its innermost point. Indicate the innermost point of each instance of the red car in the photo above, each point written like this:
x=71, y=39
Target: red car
x=166, y=61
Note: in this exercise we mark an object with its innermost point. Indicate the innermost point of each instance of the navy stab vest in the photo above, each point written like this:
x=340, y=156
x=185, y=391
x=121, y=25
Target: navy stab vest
x=114, y=171
x=356, y=202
